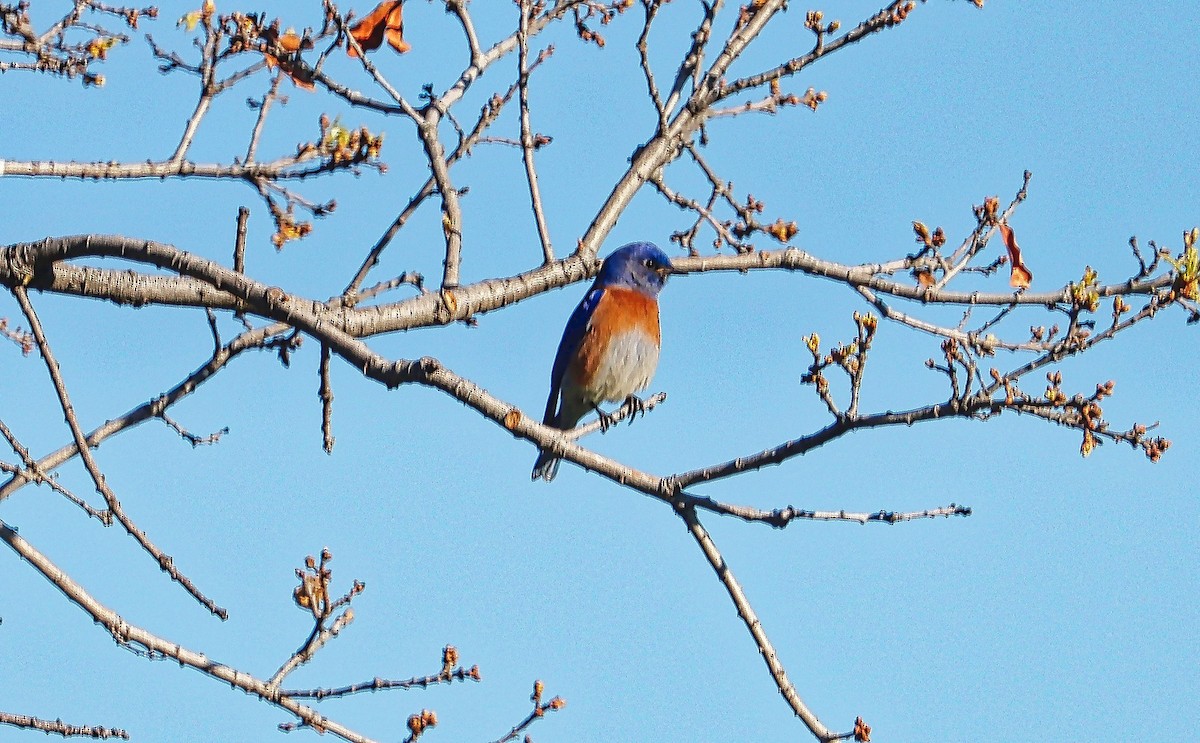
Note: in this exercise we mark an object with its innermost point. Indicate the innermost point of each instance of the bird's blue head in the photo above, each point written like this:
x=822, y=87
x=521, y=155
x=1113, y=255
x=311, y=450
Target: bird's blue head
x=640, y=266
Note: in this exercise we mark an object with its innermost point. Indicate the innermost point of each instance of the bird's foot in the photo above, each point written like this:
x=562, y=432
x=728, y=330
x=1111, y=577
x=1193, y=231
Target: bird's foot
x=633, y=405
x=606, y=419
x=636, y=405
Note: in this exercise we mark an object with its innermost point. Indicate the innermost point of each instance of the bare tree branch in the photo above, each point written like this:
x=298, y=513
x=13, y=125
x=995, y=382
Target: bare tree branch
x=905, y=289
x=58, y=727
x=747, y=615
x=139, y=640
x=165, y=561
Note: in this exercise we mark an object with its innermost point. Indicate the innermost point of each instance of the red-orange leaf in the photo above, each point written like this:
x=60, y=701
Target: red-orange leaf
x=1021, y=276
x=386, y=22
x=290, y=42
x=782, y=231
x=862, y=731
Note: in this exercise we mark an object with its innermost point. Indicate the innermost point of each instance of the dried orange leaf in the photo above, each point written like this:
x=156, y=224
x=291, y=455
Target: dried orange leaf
x=862, y=731
x=1021, y=277
x=991, y=205
x=782, y=231
x=290, y=41
x=386, y=21
x=394, y=33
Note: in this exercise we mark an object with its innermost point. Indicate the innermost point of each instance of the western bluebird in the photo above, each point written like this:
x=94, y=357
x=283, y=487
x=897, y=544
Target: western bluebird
x=609, y=348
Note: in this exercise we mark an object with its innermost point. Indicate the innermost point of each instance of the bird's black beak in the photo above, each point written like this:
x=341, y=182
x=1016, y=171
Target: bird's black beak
x=670, y=270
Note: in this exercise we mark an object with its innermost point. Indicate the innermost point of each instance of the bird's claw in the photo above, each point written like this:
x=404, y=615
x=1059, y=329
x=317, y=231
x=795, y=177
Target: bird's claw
x=636, y=405
x=606, y=420
x=633, y=404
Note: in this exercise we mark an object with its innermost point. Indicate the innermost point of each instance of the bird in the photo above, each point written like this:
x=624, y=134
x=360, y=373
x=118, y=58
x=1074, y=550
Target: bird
x=609, y=349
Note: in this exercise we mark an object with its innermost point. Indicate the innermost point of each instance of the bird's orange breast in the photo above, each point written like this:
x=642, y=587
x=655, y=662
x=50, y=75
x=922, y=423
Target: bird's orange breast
x=622, y=316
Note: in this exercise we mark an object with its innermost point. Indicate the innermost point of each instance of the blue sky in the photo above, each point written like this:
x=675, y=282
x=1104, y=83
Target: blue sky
x=1062, y=609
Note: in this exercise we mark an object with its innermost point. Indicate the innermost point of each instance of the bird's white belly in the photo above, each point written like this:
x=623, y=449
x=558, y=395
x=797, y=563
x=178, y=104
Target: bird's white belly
x=626, y=367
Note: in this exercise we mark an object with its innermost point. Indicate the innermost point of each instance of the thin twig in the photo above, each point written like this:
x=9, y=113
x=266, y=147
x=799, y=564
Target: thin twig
x=239, y=245
x=188, y=436
x=750, y=619
x=35, y=474
x=643, y=47
x=694, y=59
x=979, y=237
x=874, y=24
x=380, y=684
x=165, y=562
x=207, y=73
x=58, y=727
x=618, y=415
x=527, y=142
x=317, y=640
x=325, y=393
x=148, y=410
x=263, y=107
x=145, y=643
x=18, y=448
x=538, y=713
x=781, y=517
x=488, y=115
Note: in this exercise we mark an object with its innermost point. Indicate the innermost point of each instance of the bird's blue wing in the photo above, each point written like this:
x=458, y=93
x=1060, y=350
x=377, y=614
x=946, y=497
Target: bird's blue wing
x=568, y=347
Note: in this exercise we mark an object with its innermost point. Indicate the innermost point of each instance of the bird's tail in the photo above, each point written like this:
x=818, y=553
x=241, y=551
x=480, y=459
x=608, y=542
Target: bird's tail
x=546, y=466
x=572, y=409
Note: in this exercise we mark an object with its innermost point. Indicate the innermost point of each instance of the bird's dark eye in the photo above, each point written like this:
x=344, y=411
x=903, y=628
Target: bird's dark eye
x=649, y=263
